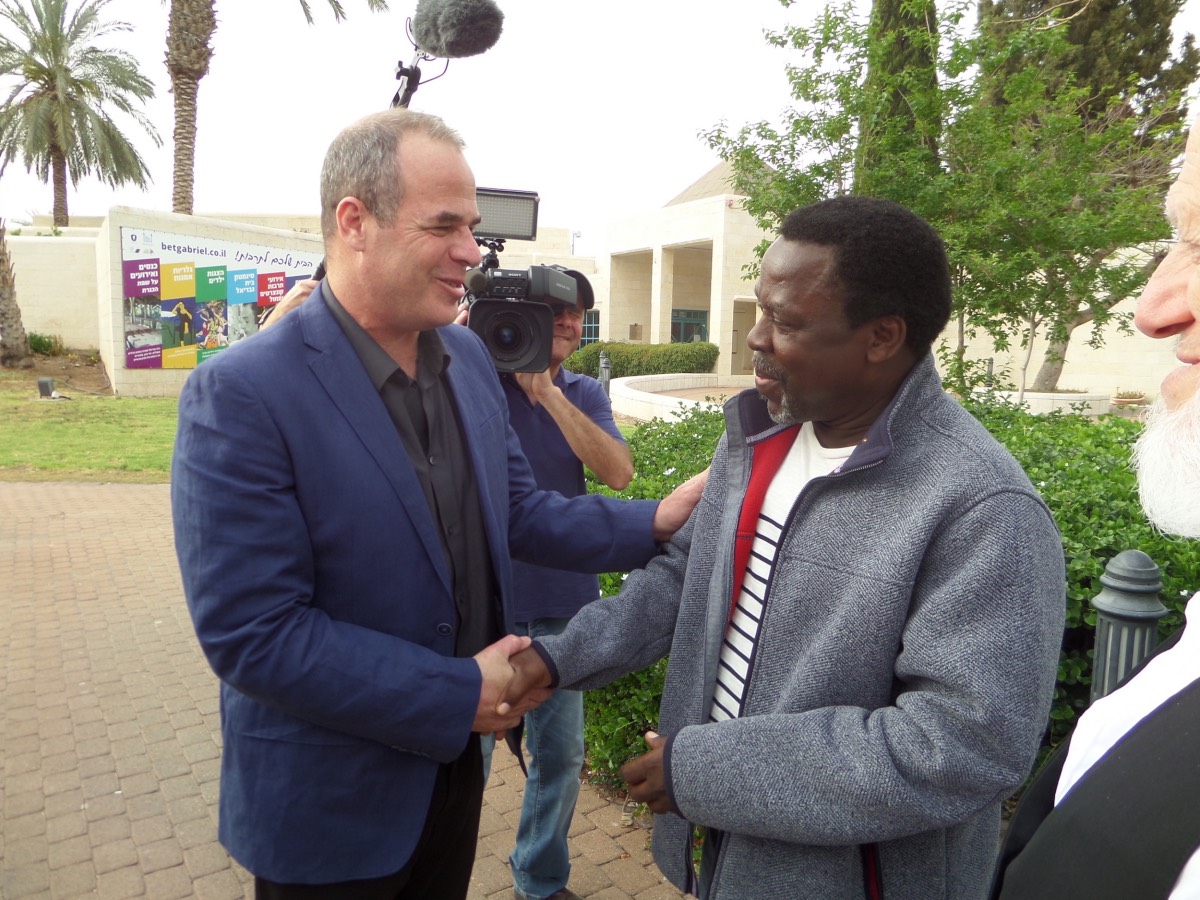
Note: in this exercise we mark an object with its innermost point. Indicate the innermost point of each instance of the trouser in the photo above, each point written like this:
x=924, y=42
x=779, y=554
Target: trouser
x=440, y=866
x=540, y=858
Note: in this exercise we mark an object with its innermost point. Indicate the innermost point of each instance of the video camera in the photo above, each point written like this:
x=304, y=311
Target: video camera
x=513, y=310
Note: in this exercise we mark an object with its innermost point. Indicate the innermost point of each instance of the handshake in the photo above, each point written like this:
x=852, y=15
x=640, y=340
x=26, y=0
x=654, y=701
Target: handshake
x=515, y=680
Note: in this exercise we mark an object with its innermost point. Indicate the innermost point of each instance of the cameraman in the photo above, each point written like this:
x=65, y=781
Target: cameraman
x=565, y=422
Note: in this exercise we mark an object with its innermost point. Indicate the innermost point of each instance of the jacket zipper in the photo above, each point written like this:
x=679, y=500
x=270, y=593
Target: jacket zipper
x=872, y=877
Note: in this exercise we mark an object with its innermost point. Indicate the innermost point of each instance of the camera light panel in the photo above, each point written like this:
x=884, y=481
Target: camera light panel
x=505, y=214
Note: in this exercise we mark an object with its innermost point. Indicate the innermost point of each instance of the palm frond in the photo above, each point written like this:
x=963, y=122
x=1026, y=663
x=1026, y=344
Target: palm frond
x=62, y=88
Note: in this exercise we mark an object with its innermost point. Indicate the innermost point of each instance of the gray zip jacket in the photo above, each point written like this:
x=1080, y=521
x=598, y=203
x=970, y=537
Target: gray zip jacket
x=903, y=673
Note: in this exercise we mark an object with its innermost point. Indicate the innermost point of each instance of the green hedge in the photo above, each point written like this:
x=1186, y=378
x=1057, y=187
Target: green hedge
x=666, y=454
x=644, y=359
x=1082, y=468
x=1080, y=465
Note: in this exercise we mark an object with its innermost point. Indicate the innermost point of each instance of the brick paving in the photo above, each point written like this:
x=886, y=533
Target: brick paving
x=109, y=733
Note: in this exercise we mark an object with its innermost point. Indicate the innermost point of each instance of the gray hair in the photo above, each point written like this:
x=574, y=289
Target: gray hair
x=361, y=162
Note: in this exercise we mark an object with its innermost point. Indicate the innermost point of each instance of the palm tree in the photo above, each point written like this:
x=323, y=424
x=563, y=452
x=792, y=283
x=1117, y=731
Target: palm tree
x=189, y=49
x=189, y=35
x=56, y=118
x=14, y=343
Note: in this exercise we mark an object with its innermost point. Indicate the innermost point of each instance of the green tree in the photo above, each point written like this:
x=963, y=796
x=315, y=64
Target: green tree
x=56, y=118
x=1044, y=217
x=891, y=82
x=1119, y=53
x=1031, y=203
x=190, y=29
x=868, y=116
x=1113, y=48
x=901, y=123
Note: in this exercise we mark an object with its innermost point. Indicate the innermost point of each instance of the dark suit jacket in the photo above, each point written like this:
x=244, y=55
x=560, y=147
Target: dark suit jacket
x=1126, y=828
x=319, y=589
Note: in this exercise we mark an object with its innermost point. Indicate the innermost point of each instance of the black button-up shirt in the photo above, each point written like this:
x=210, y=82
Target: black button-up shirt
x=426, y=420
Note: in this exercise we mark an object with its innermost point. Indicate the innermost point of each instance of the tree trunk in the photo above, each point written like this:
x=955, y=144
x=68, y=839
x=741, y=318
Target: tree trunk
x=14, y=343
x=1055, y=357
x=957, y=374
x=1034, y=322
x=190, y=29
x=1046, y=380
x=58, y=169
x=186, y=90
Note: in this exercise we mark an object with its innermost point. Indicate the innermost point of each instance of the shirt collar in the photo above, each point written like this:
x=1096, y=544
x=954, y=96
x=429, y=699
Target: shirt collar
x=431, y=351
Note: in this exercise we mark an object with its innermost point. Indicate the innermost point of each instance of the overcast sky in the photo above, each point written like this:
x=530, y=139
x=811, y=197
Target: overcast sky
x=595, y=106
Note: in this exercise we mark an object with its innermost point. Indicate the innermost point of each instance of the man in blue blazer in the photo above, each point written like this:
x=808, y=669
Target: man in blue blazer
x=346, y=490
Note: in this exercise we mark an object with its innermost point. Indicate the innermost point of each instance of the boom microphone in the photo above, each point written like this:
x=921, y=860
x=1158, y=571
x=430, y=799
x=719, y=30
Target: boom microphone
x=476, y=281
x=450, y=29
x=447, y=29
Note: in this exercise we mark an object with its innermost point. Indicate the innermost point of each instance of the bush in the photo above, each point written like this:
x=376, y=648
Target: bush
x=44, y=344
x=644, y=359
x=1082, y=469
x=666, y=455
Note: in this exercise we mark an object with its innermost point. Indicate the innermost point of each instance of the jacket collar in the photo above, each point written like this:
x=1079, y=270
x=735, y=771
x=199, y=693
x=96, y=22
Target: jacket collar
x=747, y=411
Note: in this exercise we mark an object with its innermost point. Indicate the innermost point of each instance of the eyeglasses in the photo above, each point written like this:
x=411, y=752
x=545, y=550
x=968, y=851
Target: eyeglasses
x=561, y=309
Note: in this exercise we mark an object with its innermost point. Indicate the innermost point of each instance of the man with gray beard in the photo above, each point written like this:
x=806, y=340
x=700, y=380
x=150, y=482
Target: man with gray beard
x=1115, y=814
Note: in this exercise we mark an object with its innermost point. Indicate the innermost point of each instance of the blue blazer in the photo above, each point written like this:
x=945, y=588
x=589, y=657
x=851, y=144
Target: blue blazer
x=320, y=594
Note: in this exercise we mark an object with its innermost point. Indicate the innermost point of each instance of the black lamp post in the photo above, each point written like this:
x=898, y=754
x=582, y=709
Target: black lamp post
x=1127, y=614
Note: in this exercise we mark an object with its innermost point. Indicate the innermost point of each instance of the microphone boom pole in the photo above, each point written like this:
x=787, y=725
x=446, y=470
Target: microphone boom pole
x=410, y=79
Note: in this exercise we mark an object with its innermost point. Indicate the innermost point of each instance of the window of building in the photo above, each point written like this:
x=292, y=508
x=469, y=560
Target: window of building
x=591, y=327
x=689, y=325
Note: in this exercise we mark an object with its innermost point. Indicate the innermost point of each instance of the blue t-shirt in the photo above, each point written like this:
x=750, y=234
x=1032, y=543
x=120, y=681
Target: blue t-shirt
x=539, y=592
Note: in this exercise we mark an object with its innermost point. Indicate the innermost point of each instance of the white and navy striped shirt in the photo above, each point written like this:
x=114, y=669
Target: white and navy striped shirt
x=806, y=460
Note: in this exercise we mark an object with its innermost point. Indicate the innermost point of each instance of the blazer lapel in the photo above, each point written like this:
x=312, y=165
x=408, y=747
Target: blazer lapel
x=334, y=364
x=464, y=386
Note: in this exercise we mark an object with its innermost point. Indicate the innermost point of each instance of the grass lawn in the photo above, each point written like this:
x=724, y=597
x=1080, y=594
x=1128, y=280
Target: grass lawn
x=88, y=438
x=85, y=438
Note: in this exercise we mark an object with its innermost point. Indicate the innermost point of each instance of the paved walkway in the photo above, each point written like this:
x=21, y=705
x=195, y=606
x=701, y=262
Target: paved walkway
x=109, y=735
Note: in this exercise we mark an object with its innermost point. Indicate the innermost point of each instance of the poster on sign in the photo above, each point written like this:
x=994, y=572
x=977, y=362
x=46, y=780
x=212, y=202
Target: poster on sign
x=186, y=297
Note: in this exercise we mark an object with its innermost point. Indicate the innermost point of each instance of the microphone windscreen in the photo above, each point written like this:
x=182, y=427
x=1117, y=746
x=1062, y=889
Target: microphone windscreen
x=450, y=29
x=476, y=281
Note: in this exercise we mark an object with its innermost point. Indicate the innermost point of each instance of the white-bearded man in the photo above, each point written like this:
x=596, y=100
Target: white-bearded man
x=1116, y=814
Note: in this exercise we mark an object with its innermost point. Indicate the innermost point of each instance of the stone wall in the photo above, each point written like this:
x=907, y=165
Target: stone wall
x=56, y=284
